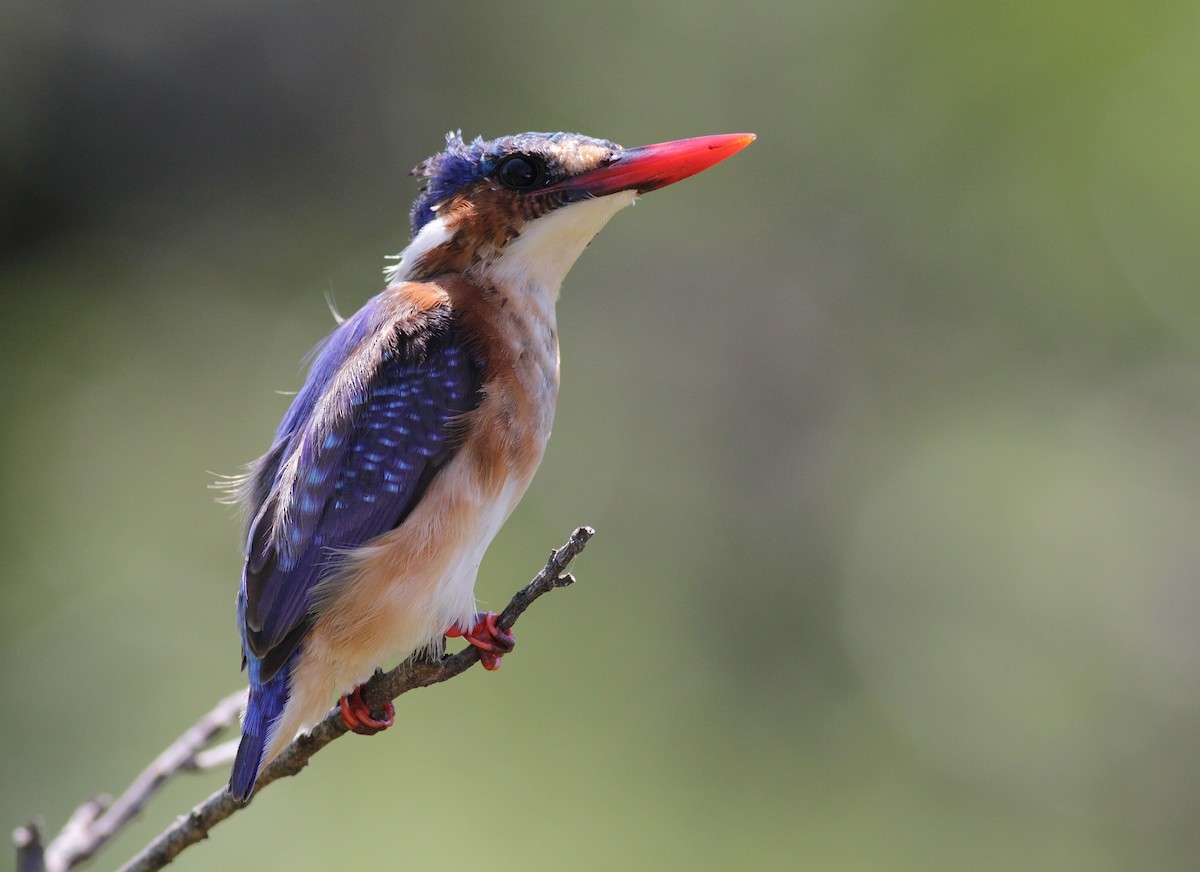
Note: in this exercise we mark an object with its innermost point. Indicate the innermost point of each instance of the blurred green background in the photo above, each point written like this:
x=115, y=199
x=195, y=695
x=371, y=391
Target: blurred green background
x=888, y=426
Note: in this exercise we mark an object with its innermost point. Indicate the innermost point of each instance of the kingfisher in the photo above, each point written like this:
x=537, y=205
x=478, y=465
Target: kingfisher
x=419, y=426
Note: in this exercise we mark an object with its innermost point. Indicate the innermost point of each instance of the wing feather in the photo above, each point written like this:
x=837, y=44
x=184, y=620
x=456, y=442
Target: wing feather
x=361, y=442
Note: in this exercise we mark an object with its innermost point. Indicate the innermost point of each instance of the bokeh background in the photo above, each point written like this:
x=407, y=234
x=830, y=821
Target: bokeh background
x=888, y=425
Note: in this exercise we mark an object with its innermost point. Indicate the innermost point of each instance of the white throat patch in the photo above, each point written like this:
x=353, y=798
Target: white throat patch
x=549, y=246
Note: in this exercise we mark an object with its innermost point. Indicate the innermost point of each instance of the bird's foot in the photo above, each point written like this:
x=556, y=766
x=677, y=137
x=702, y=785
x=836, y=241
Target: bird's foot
x=362, y=719
x=492, y=642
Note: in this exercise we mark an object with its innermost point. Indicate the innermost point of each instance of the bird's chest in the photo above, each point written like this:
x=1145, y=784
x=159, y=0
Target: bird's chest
x=510, y=428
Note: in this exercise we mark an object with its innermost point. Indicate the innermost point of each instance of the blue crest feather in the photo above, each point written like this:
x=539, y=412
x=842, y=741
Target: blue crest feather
x=444, y=173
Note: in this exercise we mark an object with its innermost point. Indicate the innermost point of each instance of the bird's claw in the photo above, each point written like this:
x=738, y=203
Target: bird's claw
x=492, y=642
x=361, y=718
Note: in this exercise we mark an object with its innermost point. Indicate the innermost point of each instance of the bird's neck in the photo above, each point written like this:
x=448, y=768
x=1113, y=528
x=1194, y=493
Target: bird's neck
x=514, y=331
x=533, y=258
x=521, y=317
x=517, y=281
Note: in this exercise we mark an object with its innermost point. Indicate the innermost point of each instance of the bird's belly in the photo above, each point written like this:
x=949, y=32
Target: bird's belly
x=403, y=590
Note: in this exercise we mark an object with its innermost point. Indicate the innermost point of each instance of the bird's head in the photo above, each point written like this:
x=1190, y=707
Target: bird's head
x=522, y=208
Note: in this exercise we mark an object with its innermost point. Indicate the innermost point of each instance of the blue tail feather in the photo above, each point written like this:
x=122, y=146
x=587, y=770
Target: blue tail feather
x=263, y=710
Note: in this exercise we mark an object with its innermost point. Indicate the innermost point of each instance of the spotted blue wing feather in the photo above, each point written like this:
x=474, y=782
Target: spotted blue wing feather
x=373, y=424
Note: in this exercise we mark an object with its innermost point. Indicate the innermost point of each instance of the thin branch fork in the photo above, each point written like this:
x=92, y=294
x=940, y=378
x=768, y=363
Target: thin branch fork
x=99, y=819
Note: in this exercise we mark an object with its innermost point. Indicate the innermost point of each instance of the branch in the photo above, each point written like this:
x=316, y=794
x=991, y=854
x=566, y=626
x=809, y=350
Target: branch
x=99, y=819
x=96, y=822
x=31, y=856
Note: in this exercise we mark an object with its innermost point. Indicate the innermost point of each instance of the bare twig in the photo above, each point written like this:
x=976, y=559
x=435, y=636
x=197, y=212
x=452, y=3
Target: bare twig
x=191, y=828
x=95, y=822
x=31, y=856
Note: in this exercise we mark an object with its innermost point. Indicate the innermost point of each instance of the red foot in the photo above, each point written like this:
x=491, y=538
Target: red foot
x=492, y=642
x=361, y=719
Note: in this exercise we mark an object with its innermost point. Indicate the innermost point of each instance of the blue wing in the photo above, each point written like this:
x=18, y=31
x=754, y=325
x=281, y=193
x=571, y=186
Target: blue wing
x=359, y=445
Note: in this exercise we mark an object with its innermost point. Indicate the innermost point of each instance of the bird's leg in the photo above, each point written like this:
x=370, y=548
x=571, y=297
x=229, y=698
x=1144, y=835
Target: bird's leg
x=492, y=642
x=361, y=718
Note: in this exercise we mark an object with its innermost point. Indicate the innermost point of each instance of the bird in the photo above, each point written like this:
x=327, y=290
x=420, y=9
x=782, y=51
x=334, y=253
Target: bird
x=419, y=426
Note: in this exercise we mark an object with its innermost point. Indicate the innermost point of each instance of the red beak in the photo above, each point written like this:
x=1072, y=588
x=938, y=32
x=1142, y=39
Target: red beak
x=651, y=167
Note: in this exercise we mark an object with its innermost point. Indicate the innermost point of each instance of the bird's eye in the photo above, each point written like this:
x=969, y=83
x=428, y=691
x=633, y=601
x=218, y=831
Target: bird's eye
x=520, y=171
